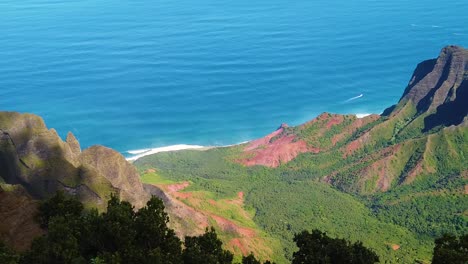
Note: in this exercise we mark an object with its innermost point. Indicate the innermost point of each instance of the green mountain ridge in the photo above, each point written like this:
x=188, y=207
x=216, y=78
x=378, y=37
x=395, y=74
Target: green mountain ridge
x=406, y=170
x=393, y=181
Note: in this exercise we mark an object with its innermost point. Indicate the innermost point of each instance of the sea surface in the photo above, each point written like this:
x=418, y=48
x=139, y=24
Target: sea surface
x=145, y=74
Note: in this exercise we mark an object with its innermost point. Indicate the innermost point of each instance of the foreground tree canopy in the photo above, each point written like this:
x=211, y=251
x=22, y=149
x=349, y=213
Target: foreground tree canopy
x=318, y=248
x=451, y=249
x=123, y=235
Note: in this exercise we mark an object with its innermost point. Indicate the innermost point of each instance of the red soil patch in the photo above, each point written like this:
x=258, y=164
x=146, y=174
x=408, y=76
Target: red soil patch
x=336, y=120
x=321, y=118
x=414, y=172
x=237, y=201
x=382, y=182
x=355, y=125
x=265, y=140
x=182, y=195
x=353, y=146
x=382, y=168
x=337, y=138
x=270, y=153
x=284, y=148
x=212, y=202
x=238, y=244
x=359, y=142
x=466, y=189
x=273, y=154
x=229, y=226
x=395, y=247
x=171, y=188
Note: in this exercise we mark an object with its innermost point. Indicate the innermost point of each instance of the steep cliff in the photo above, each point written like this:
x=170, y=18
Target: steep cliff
x=36, y=158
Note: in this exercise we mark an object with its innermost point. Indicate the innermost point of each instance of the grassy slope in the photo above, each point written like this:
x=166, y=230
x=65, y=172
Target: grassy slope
x=284, y=205
x=405, y=186
x=207, y=202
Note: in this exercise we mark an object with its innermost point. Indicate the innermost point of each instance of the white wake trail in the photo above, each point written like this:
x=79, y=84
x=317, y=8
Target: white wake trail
x=354, y=98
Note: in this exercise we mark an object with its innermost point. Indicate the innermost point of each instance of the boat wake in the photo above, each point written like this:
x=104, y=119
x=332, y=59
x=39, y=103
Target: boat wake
x=354, y=98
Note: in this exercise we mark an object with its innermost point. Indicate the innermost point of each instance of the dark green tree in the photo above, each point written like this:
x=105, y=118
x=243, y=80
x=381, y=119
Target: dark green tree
x=120, y=235
x=206, y=249
x=250, y=259
x=153, y=235
x=451, y=249
x=7, y=256
x=59, y=205
x=318, y=248
x=61, y=216
x=117, y=233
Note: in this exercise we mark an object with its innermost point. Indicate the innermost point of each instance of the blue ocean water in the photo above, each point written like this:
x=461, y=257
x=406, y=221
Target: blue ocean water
x=145, y=74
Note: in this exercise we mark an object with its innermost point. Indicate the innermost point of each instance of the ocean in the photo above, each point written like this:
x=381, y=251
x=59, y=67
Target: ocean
x=142, y=74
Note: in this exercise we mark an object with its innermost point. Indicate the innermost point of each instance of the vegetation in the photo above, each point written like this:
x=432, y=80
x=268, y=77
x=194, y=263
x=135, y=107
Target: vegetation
x=120, y=235
x=7, y=256
x=318, y=248
x=297, y=201
x=451, y=249
x=206, y=248
x=123, y=235
x=422, y=176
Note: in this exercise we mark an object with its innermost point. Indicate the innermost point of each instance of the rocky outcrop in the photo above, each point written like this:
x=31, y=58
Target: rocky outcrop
x=73, y=143
x=439, y=89
x=435, y=82
x=122, y=175
x=36, y=158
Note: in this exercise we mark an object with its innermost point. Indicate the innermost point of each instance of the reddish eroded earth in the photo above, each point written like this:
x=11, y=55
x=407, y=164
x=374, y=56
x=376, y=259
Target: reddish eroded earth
x=355, y=125
x=171, y=188
x=363, y=139
x=395, y=247
x=239, y=200
x=182, y=208
x=272, y=153
x=231, y=227
x=335, y=120
x=174, y=190
x=281, y=147
x=237, y=243
x=382, y=168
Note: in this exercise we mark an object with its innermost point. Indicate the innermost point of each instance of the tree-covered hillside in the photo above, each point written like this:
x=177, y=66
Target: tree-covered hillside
x=394, y=181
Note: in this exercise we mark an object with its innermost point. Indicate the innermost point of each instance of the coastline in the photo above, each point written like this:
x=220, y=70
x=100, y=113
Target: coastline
x=140, y=153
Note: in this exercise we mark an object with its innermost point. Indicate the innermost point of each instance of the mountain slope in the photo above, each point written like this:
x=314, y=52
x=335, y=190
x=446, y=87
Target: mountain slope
x=36, y=158
x=405, y=169
x=393, y=181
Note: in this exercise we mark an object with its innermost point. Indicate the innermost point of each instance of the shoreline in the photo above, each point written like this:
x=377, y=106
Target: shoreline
x=140, y=153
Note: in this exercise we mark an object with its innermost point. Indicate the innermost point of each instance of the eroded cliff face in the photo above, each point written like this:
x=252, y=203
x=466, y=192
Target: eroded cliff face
x=36, y=158
x=122, y=175
x=439, y=89
x=437, y=81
